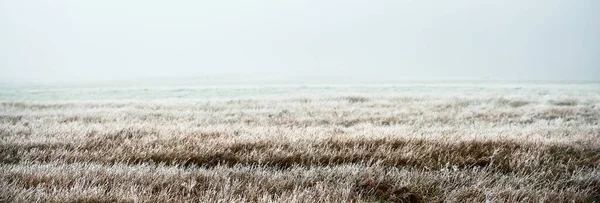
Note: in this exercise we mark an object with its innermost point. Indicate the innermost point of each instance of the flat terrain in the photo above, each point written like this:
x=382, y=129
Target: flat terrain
x=396, y=143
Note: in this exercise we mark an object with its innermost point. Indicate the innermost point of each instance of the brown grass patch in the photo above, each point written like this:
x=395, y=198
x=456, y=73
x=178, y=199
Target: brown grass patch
x=340, y=149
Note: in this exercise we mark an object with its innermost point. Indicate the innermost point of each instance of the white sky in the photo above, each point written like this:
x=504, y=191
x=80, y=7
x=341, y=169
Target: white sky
x=395, y=39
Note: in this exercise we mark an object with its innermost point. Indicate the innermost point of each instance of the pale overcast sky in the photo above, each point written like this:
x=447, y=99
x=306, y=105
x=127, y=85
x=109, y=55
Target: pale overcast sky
x=388, y=39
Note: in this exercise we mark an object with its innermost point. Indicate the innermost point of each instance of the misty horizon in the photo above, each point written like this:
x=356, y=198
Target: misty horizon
x=381, y=40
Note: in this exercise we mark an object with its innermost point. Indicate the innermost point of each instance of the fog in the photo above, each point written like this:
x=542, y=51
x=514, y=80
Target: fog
x=375, y=39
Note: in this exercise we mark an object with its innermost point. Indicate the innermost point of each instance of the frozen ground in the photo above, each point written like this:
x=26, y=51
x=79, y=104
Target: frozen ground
x=173, y=90
x=407, y=142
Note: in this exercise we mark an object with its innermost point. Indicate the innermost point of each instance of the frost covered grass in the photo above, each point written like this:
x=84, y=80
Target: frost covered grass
x=346, y=148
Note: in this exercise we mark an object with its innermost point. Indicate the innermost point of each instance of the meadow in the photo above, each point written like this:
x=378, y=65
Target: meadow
x=413, y=142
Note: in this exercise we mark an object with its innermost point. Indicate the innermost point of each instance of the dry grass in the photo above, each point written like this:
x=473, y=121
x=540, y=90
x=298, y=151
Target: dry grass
x=338, y=149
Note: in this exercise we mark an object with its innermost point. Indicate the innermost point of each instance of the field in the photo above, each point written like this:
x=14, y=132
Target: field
x=412, y=142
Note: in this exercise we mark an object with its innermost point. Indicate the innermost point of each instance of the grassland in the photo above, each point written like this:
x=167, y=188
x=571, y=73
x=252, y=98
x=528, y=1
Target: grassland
x=340, y=148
